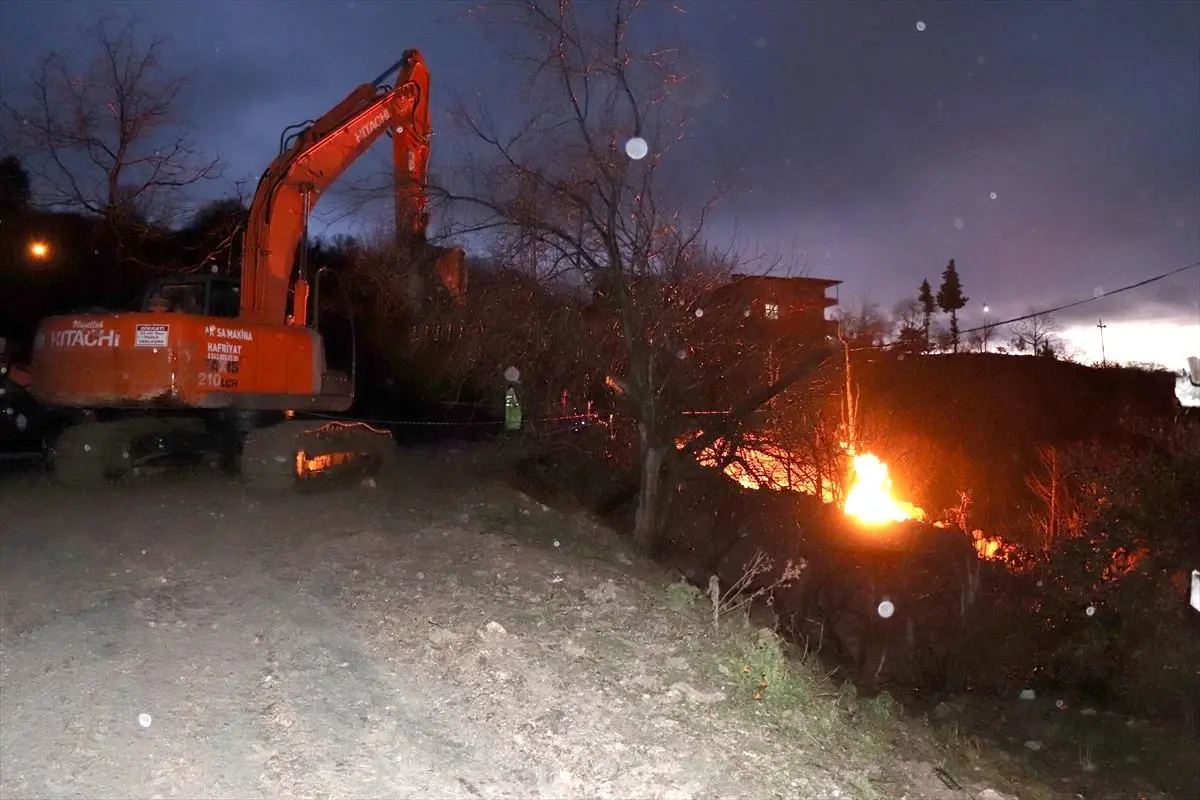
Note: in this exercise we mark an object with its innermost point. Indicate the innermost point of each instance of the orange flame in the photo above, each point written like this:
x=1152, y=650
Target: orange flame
x=986, y=546
x=870, y=499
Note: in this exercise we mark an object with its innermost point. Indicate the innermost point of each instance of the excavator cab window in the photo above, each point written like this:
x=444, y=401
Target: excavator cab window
x=184, y=297
x=207, y=296
x=224, y=298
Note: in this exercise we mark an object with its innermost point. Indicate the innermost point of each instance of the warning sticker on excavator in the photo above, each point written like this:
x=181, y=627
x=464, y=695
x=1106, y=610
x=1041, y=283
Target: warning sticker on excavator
x=151, y=335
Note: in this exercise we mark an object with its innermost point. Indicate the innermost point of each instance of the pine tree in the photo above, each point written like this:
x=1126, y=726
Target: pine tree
x=928, y=307
x=950, y=298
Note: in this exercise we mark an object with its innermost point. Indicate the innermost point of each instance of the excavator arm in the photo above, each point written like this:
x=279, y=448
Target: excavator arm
x=317, y=157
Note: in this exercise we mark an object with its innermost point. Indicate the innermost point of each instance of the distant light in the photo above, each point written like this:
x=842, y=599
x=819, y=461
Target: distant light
x=637, y=148
x=985, y=308
x=920, y=25
x=39, y=250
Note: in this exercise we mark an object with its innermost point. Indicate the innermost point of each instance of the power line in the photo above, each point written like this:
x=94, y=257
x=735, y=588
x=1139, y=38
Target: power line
x=1064, y=306
x=1085, y=300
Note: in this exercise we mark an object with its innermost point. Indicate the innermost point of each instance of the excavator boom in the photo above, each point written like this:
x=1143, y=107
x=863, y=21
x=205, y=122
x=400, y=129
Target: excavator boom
x=316, y=158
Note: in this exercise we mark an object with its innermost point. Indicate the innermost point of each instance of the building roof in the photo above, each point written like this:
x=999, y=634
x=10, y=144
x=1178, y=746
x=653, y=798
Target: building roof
x=824, y=282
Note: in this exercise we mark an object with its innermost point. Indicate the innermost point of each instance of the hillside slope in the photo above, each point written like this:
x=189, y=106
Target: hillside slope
x=973, y=422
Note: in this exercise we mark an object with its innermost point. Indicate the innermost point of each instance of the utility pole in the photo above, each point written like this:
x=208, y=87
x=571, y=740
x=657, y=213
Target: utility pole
x=1103, y=359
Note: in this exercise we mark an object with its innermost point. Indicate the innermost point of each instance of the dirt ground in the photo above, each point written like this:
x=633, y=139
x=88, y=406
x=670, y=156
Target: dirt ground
x=430, y=633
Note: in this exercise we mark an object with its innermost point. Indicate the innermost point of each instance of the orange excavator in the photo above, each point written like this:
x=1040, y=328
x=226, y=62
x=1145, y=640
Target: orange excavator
x=219, y=365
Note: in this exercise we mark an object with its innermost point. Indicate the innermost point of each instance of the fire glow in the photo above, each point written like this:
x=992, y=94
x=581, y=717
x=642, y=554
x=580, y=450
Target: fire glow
x=869, y=498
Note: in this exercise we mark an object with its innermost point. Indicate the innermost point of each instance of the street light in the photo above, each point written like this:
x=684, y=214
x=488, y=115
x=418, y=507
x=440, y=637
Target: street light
x=39, y=250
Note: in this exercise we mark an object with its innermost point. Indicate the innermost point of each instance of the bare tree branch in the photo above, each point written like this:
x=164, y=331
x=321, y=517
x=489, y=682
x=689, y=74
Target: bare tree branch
x=1038, y=335
x=109, y=139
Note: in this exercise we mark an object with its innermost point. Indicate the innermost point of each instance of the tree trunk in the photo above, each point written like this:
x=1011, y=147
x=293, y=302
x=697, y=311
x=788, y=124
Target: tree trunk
x=652, y=500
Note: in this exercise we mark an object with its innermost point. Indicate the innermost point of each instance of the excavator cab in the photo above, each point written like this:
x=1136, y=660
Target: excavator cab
x=201, y=295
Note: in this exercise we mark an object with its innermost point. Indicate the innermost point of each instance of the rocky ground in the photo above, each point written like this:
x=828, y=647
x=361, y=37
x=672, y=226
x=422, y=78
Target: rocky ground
x=430, y=633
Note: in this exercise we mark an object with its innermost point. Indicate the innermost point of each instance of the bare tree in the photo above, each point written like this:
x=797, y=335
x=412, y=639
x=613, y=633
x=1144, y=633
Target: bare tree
x=941, y=339
x=1056, y=515
x=213, y=233
x=577, y=192
x=865, y=326
x=1038, y=335
x=109, y=139
x=909, y=316
x=987, y=333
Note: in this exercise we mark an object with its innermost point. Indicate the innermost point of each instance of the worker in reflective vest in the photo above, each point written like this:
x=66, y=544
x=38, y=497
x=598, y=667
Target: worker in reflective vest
x=512, y=403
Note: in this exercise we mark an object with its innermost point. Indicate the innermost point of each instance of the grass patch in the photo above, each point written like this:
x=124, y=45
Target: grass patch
x=682, y=596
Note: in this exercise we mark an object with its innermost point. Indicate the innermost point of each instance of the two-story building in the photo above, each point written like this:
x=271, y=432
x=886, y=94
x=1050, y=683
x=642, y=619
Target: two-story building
x=774, y=306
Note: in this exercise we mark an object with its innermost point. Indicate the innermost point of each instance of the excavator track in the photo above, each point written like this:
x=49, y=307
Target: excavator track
x=94, y=453
x=298, y=453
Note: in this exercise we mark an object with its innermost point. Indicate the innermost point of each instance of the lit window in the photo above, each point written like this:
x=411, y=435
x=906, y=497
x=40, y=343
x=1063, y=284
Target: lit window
x=771, y=310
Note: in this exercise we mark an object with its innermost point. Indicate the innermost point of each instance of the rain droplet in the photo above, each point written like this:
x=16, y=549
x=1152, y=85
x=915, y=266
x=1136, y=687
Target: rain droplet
x=958, y=223
x=637, y=148
x=144, y=720
x=1098, y=291
x=980, y=60
x=992, y=195
x=920, y=25
x=760, y=42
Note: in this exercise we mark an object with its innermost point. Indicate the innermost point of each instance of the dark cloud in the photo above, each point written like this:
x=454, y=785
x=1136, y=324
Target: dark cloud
x=869, y=148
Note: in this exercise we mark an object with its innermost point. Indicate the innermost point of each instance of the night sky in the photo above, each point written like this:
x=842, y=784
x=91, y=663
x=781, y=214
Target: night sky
x=1051, y=149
